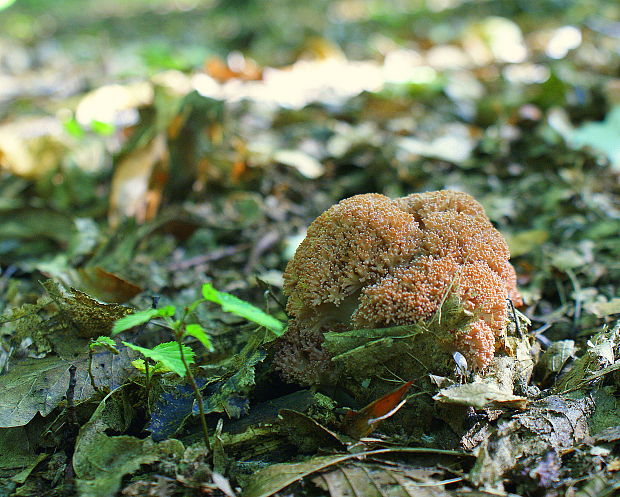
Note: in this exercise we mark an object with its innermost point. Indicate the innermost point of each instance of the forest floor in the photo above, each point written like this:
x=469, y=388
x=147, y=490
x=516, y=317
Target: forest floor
x=152, y=152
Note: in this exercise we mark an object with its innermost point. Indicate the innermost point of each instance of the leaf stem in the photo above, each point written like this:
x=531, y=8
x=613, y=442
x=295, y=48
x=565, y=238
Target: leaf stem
x=197, y=394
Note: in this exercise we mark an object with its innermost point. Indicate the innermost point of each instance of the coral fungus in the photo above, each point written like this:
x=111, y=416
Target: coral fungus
x=373, y=262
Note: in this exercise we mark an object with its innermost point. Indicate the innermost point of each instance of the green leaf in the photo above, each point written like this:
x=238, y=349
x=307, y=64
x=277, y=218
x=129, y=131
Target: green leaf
x=199, y=332
x=235, y=305
x=105, y=342
x=168, y=354
x=102, y=128
x=101, y=461
x=602, y=136
x=166, y=311
x=15, y=455
x=141, y=317
x=229, y=395
x=157, y=368
x=72, y=126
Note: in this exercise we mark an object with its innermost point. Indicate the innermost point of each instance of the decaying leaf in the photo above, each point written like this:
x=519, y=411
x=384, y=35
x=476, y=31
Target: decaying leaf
x=454, y=143
x=606, y=415
x=599, y=359
x=243, y=68
x=602, y=309
x=306, y=165
x=268, y=412
x=306, y=433
x=105, y=286
x=361, y=423
x=96, y=281
x=138, y=182
x=29, y=325
x=32, y=147
x=556, y=356
x=361, y=479
x=278, y=476
x=479, y=395
x=34, y=386
x=115, y=105
x=261, y=431
x=90, y=317
x=363, y=351
x=553, y=423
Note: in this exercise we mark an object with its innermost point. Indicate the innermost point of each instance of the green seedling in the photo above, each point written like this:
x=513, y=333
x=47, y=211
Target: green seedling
x=175, y=356
x=166, y=358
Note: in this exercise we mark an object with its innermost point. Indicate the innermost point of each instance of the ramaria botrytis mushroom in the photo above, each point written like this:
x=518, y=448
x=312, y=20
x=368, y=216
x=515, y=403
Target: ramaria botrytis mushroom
x=375, y=262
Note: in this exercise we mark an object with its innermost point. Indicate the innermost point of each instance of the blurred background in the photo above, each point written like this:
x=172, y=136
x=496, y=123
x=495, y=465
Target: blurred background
x=131, y=37
x=146, y=146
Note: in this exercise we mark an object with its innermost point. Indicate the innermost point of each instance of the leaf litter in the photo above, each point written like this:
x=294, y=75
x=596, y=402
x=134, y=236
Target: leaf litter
x=142, y=191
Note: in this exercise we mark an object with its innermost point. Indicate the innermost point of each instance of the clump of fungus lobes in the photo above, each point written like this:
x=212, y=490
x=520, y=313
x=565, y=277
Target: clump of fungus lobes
x=374, y=262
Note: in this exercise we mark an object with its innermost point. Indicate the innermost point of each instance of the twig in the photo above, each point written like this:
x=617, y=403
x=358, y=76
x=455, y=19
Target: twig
x=73, y=421
x=270, y=295
x=264, y=243
x=91, y=376
x=211, y=256
x=71, y=395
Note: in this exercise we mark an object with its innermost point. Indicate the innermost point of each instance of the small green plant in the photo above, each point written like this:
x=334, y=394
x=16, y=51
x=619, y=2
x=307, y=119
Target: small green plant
x=176, y=356
x=235, y=305
x=166, y=357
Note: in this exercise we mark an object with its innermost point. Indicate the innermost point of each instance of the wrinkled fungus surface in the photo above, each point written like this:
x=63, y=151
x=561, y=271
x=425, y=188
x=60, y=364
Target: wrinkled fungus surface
x=375, y=262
